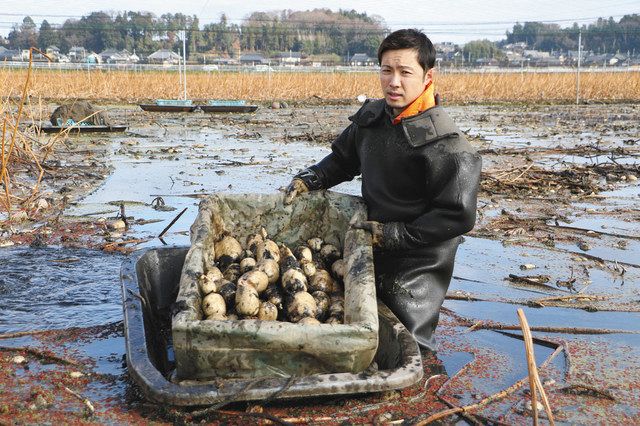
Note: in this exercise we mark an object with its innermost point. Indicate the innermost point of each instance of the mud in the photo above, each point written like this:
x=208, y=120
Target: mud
x=557, y=235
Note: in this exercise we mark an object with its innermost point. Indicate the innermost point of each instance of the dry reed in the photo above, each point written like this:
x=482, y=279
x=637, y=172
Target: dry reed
x=132, y=86
x=17, y=155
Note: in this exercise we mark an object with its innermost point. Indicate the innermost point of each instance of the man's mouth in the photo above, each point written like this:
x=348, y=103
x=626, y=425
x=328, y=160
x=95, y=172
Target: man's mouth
x=394, y=95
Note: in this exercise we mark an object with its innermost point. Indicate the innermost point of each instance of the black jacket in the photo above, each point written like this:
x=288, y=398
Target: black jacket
x=419, y=178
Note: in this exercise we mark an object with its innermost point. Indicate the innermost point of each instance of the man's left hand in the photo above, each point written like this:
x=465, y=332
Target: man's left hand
x=375, y=228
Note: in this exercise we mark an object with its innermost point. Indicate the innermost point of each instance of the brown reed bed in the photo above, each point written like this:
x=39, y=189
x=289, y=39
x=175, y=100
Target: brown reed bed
x=132, y=86
x=22, y=153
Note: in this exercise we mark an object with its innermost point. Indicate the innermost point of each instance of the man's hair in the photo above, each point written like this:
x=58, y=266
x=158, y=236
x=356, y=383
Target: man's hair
x=410, y=39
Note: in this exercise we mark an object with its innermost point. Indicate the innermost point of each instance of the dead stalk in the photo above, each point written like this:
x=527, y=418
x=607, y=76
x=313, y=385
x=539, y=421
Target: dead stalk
x=534, y=379
x=46, y=355
x=22, y=333
x=133, y=86
x=489, y=399
x=4, y=175
x=40, y=173
x=14, y=130
x=522, y=173
x=87, y=404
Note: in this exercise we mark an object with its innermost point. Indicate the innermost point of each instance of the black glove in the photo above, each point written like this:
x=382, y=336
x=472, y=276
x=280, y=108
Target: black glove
x=305, y=181
x=375, y=228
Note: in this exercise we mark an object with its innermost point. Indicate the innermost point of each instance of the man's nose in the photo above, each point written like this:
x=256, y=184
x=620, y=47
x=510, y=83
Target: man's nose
x=395, y=80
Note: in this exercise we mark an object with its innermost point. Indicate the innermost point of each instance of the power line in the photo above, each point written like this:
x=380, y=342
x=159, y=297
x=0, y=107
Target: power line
x=291, y=28
x=277, y=19
x=297, y=30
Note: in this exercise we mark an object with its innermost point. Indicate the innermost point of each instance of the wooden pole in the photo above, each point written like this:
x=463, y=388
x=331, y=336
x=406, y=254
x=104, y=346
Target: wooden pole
x=172, y=222
x=578, y=68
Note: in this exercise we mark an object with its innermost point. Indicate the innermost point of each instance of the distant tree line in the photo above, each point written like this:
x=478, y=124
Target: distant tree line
x=318, y=31
x=603, y=36
x=314, y=32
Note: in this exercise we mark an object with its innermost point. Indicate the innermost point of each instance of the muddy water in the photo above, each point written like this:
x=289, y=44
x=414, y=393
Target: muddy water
x=69, y=288
x=178, y=160
x=482, y=267
x=187, y=164
x=57, y=288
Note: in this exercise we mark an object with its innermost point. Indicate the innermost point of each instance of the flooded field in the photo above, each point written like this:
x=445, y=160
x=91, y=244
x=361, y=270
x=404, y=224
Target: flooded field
x=558, y=235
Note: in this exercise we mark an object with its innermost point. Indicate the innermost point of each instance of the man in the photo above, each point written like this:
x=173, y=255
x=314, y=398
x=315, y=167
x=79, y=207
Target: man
x=419, y=180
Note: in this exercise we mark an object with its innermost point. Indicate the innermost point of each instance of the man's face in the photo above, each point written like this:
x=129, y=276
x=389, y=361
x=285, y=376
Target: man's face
x=402, y=78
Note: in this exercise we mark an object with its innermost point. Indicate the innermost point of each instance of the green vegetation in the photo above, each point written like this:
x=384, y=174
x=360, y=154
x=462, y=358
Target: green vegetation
x=603, y=36
x=314, y=32
x=482, y=49
x=318, y=31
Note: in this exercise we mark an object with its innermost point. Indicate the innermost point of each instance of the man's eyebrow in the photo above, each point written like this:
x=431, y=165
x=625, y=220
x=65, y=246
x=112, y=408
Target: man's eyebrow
x=403, y=67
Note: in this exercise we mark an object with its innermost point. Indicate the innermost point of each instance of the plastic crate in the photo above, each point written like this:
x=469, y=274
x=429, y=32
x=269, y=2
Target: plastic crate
x=253, y=348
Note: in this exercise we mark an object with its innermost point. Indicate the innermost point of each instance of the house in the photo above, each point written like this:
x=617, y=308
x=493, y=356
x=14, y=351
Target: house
x=446, y=53
x=77, y=54
x=288, y=58
x=253, y=59
x=164, y=56
x=515, y=59
x=598, y=60
x=221, y=61
x=93, y=58
x=518, y=47
x=487, y=62
x=53, y=52
x=535, y=54
x=572, y=57
x=618, y=59
x=548, y=62
x=109, y=55
x=446, y=50
x=362, y=60
x=25, y=54
x=9, y=55
x=113, y=56
x=327, y=59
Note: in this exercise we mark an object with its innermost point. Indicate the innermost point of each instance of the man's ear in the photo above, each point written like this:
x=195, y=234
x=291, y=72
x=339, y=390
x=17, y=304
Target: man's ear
x=428, y=76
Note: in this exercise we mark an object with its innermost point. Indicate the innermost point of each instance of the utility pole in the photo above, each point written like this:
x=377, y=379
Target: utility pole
x=184, y=62
x=179, y=71
x=578, y=68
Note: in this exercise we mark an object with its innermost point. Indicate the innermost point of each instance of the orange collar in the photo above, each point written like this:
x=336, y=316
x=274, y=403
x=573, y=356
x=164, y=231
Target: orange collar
x=422, y=103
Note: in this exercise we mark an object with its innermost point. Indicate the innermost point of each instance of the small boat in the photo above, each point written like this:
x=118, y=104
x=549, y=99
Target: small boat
x=150, y=282
x=83, y=128
x=170, y=105
x=227, y=106
x=168, y=108
x=175, y=105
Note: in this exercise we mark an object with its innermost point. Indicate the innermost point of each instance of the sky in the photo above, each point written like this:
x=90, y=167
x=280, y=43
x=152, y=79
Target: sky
x=458, y=21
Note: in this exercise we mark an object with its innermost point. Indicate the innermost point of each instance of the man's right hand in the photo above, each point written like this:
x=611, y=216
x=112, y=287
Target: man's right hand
x=295, y=188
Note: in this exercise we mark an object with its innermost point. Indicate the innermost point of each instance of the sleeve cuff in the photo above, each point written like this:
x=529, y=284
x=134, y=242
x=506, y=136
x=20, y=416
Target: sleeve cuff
x=310, y=178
